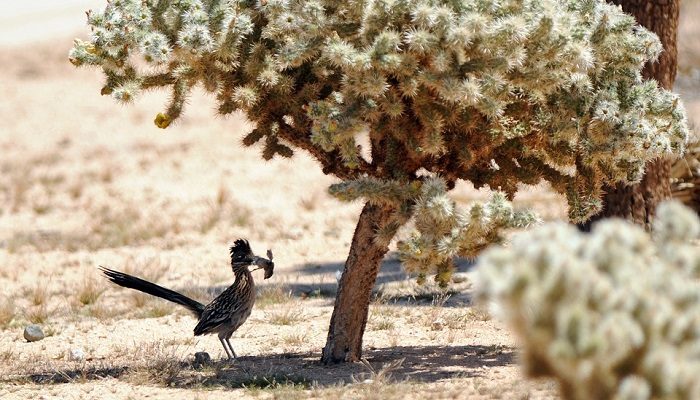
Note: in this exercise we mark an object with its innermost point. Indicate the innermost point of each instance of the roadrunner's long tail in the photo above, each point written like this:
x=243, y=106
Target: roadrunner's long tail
x=132, y=282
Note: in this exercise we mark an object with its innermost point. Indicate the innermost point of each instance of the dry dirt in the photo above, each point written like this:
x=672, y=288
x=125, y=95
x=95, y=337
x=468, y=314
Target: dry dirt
x=86, y=182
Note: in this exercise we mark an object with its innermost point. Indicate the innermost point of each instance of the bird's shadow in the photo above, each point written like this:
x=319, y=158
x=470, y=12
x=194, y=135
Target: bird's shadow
x=415, y=363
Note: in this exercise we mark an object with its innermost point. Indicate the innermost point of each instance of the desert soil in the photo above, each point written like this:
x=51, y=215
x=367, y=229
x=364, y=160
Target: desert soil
x=87, y=182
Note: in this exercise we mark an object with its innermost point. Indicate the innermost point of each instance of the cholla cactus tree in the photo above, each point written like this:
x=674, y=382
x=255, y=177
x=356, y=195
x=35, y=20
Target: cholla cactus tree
x=610, y=315
x=494, y=92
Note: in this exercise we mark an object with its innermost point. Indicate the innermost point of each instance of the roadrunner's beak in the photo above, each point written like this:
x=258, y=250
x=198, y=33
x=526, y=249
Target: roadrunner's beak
x=265, y=264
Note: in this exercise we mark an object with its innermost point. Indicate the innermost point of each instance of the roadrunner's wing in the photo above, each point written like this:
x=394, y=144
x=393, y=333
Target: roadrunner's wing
x=224, y=310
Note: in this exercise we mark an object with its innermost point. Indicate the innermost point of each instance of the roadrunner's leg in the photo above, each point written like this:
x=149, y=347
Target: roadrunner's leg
x=222, y=339
x=229, y=344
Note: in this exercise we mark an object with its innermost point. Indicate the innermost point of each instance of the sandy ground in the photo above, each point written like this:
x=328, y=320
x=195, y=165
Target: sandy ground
x=86, y=182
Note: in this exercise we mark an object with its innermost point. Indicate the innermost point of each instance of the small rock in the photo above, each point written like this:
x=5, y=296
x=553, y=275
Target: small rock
x=459, y=278
x=33, y=333
x=201, y=358
x=76, y=355
x=438, y=324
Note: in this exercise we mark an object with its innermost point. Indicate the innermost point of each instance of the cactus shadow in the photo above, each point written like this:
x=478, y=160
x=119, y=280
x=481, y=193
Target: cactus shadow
x=424, y=364
x=318, y=280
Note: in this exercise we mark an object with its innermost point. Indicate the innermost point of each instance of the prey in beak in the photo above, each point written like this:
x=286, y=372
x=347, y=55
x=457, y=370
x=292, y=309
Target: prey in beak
x=265, y=264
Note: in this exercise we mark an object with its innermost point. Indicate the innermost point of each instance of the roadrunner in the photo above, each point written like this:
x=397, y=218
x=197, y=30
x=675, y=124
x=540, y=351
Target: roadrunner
x=229, y=310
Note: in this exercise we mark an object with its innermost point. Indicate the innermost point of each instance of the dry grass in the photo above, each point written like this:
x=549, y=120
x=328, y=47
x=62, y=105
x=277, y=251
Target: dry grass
x=411, y=292
x=100, y=310
x=110, y=227
x=125, y=225
x=8, y=311
x=370, y=390
x=387, y=311
x=376, y=382
x=7, y=355
x=289, y=315
x=384, y=374
x=38, y=294
x=478, y=313
x=45, y=241
x=280, y=387
x=270, y=295
x=37, y=314
x=216, y=208
x=90, y=290
x=157, y=308
x=310, y=202
x=119, y=221
x=296, y=339
x=224, y=208
x=381, y=323
x=157, y=363
x=139, y=300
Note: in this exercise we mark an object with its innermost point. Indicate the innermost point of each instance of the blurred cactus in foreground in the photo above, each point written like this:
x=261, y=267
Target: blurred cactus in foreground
x=614, y=314
x=497, y=93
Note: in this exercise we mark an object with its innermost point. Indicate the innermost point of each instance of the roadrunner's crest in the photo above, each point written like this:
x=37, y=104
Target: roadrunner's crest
x=241, y=252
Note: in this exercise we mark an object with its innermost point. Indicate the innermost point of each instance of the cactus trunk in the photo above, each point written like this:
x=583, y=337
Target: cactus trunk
x=349, y=318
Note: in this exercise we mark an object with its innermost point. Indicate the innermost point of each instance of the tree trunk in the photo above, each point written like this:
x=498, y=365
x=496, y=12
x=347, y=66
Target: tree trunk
x=349, y=318
x=638, y=202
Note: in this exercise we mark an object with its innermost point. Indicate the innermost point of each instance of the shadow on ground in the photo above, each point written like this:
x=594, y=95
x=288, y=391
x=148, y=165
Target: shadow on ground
x=319, y=280
x=418, y=364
